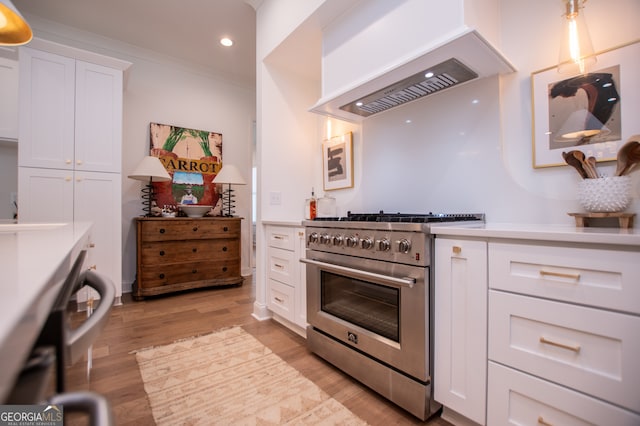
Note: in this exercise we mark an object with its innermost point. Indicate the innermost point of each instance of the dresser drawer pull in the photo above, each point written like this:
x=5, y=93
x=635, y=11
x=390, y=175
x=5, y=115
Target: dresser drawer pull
x=194, y=271
x=278, y=237
x=224, y=249
x=560, y=275
x=456, y=249
x=279, y=300
x=162, y=231
x=224, y=269
x=541, y=421
x=161, y=276
x=225, y=229
x=277, y=265
x=161, y=252
x=575, y=348
x=195, y=229
x=194, y=250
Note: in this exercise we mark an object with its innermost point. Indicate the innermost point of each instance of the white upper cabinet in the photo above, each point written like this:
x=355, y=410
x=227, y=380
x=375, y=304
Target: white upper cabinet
x=98, y=126
x=8, y=99
x=70, y=113
x=47, y=103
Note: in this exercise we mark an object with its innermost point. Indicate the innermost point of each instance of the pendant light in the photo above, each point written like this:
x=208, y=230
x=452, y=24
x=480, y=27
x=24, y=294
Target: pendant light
x=14, y=30
x=576, y=50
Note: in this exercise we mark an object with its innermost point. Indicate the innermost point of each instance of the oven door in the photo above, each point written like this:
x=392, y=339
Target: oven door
x=378, y=308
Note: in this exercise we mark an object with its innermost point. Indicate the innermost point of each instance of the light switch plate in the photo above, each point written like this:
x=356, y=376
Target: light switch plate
x=275, y=198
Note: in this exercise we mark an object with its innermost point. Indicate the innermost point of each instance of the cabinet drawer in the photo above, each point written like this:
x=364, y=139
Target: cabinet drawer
x=281, y=299
x=590, y=350
x=601, y=278
x=169, y=274
x=159, y=252
x=281, y=237
x=183, y=229
x=516, y=398
x=281, y=265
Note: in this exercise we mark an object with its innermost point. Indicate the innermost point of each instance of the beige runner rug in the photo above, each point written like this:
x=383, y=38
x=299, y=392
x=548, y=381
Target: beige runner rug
x=230, y=378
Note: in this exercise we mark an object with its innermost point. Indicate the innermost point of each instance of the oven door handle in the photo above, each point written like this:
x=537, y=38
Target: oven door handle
x=357, y=273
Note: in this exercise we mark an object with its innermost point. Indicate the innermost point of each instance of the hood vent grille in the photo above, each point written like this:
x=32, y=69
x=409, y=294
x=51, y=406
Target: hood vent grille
x=442, y=76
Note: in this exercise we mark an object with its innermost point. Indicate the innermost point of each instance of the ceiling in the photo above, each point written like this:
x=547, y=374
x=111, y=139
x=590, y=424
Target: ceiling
x=188, y=30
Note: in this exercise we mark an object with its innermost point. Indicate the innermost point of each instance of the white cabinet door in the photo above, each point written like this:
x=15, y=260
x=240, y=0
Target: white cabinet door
x=8, y=99
x=46, y=195
x=47, y=105
x=460, y=346
x=97, y=199
x=98, y=129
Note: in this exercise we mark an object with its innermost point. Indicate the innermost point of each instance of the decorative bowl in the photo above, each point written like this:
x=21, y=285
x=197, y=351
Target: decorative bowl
x=605, y=195
x=194, y=210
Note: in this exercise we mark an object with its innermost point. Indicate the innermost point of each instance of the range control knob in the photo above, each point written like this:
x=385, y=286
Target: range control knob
x=352, y=241
x=384, y=245
x=325, y=239
x=404, y=246
x=313, y=237
x=366, y=243
x=338, y=240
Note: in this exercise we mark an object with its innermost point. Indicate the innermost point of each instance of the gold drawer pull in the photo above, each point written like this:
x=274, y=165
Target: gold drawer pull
x=560, y=275
x=575, y=348
x=456, y=249
x=541, y=421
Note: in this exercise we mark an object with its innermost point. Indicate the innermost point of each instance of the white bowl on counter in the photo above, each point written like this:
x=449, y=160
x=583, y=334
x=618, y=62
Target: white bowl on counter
x=194, y=210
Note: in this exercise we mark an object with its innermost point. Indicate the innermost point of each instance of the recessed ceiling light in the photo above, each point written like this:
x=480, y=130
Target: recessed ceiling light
x=428, y=74
x=227, y=42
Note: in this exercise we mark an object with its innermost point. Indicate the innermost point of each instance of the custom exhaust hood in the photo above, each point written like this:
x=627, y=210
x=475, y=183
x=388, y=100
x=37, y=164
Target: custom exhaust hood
x=462, y=59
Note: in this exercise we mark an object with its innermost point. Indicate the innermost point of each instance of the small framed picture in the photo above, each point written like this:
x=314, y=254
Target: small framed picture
x=337, y=162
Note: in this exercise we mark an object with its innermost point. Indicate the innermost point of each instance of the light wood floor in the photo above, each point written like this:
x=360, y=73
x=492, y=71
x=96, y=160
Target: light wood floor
x=162, y=320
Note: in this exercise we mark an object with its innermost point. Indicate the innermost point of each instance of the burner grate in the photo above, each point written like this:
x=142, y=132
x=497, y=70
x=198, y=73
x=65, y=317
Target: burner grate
x=410, y=217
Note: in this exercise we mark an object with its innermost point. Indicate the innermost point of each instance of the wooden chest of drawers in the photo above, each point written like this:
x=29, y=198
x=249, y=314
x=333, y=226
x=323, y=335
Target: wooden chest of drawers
x=176, y=254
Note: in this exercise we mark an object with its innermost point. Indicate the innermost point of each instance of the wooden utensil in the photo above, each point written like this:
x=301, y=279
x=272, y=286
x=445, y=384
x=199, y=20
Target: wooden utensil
x=591, y=162
x=571, y=160
x=628, y=156
x=579, y=155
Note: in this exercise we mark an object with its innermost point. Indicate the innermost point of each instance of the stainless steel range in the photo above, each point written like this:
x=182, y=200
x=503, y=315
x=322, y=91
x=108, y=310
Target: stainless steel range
x=369, y=300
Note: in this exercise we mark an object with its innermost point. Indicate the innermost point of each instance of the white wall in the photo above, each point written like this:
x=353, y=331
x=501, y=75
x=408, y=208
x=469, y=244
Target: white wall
x=162, y=90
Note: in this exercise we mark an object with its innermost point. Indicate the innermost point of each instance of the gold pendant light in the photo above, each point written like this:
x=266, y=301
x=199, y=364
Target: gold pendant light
x=576, y=50
x=14, y=30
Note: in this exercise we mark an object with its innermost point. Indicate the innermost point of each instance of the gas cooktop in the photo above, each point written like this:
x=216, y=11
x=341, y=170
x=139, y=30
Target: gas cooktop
x=382, y=216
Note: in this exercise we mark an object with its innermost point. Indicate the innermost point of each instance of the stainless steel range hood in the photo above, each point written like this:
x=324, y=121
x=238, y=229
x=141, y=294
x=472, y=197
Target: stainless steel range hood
x=465, y=58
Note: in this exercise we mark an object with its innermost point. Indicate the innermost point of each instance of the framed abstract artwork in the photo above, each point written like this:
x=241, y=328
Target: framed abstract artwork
x=337, y=162
x=593, y=112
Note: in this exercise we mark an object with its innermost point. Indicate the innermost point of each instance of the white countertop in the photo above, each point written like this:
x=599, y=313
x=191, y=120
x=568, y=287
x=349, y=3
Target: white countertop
x=34, y=260
x=558, y=233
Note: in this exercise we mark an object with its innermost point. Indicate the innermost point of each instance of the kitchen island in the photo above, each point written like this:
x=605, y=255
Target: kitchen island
x=35, y=260
x=551, y=313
